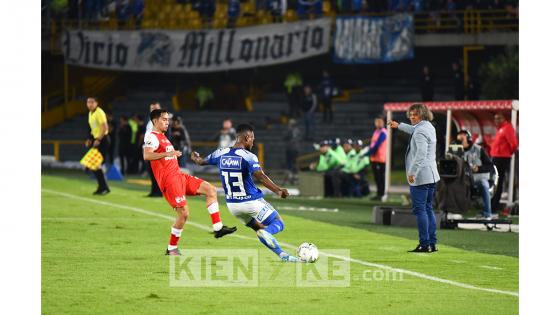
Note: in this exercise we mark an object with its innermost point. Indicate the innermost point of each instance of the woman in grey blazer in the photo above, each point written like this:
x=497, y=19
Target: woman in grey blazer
x=421, y=171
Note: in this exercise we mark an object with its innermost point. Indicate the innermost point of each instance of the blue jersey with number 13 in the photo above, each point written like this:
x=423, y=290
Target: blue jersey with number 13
x=236, y=167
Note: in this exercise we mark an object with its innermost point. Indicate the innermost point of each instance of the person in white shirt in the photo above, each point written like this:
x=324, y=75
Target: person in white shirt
x=154, y=191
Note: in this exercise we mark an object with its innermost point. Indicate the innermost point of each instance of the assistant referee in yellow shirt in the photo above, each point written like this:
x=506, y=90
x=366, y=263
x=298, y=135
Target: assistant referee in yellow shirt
x=98, y=138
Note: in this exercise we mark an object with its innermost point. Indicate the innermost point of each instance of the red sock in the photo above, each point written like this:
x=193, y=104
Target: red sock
x=174, y=238
x=214, y=211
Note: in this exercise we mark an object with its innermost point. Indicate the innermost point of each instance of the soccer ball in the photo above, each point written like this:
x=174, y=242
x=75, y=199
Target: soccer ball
x=308, y=252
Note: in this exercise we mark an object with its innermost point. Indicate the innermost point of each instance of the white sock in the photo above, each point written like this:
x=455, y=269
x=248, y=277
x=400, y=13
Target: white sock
x=176, y=232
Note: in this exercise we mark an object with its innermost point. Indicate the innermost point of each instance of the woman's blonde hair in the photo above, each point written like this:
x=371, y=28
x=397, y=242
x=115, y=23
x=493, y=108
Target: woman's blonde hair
x=422, y=110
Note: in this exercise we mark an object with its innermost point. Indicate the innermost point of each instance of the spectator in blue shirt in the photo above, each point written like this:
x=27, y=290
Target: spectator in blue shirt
x=234, y=9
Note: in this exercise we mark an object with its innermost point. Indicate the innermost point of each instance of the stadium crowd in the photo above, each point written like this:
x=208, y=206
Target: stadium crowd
x=125, y=9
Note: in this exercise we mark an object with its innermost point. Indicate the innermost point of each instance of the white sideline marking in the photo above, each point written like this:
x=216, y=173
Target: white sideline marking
x=361, y=262
x=491, y=267
x=94, y=219
x=302, y=208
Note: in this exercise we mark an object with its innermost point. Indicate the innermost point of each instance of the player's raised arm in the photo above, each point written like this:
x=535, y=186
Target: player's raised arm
x=151, y=144
x=268, y=183
x=150, y=155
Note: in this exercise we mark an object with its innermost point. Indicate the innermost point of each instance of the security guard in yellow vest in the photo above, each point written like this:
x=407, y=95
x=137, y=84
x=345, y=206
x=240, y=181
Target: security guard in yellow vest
x=98, y=138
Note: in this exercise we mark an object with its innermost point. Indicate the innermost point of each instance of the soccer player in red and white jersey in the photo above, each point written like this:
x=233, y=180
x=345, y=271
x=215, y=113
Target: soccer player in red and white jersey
x=175, y=185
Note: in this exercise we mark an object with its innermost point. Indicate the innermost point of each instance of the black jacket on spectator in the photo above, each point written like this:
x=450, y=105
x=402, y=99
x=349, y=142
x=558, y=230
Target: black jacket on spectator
x=427, y=88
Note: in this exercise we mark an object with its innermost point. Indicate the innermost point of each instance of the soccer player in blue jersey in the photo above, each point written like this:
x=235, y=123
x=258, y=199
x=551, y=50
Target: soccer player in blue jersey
x=244, y=200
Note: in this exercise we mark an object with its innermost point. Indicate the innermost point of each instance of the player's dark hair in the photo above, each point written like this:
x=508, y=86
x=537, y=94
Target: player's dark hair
x=156, y=113
x=93, y=98
x=243, y=128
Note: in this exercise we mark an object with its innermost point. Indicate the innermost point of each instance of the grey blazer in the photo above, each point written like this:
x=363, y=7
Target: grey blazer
x=420, y=158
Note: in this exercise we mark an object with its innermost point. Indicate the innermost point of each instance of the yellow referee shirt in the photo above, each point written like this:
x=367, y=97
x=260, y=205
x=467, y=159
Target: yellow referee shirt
x=96, y=119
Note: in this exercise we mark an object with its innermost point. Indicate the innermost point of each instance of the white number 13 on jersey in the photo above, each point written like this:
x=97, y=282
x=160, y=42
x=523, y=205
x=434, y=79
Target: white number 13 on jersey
x=238, y=183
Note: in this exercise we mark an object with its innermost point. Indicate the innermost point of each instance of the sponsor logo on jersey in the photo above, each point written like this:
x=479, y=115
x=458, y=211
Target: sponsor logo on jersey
x=240, y=198
x=179, y=199
x=230, y=162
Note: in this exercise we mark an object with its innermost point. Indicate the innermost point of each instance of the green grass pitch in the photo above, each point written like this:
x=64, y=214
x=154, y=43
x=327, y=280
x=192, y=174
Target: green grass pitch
x=104, y=255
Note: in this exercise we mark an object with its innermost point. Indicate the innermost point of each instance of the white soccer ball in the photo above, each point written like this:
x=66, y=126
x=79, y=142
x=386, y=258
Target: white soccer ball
x=308, y=252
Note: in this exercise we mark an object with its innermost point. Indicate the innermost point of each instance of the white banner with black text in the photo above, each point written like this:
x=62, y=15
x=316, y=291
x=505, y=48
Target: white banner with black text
x=197, y=50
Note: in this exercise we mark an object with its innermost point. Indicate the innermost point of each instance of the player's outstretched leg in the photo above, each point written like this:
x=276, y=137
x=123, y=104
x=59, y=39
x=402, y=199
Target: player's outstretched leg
x=274, y=226
x=269, y=240
x=214, y=210
x=176, y=229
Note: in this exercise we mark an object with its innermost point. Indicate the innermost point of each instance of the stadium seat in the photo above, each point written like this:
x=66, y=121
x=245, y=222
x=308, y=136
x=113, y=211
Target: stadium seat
x=220, y=15
x=195, y=24
x=182, y=19
x=247, y=8
x=193, y=15
x=221, y=8
x=290, y=16
x=113, y=24
x=264, y=17
x=148, y=23
x=161, y=19
x=219, y=23
x=178, y=8
x=174, y=24
x=147, y=13
x=327, y=7
x=168, y=8
x=241, y=22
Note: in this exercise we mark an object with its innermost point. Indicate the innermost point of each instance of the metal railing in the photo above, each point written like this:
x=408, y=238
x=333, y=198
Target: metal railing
x=466, y=21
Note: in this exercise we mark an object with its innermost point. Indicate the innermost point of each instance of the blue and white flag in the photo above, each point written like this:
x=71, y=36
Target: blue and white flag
x=365, y=39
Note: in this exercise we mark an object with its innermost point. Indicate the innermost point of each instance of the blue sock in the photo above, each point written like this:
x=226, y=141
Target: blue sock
x=275, y=226
x=277, y=249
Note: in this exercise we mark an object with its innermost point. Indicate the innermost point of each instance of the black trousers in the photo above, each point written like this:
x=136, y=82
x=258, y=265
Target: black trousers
x=293, y=103
x=333, y=182
x=155, y=191
x=99, y=175
x=328, y=112
x=347, y=184
x=502, y=164
x=378, y=170
x=291, y=158
x=125, y=159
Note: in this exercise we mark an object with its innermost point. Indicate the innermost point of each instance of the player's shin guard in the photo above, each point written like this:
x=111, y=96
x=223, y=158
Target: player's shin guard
x=214, y=211
x=275, y=226
x=269, y=241
x=174, y=239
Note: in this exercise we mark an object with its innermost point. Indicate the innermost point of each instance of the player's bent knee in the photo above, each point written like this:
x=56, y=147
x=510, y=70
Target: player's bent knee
x=255, y=225
x=208, y=189
x=183, y=212
x=280, y=224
